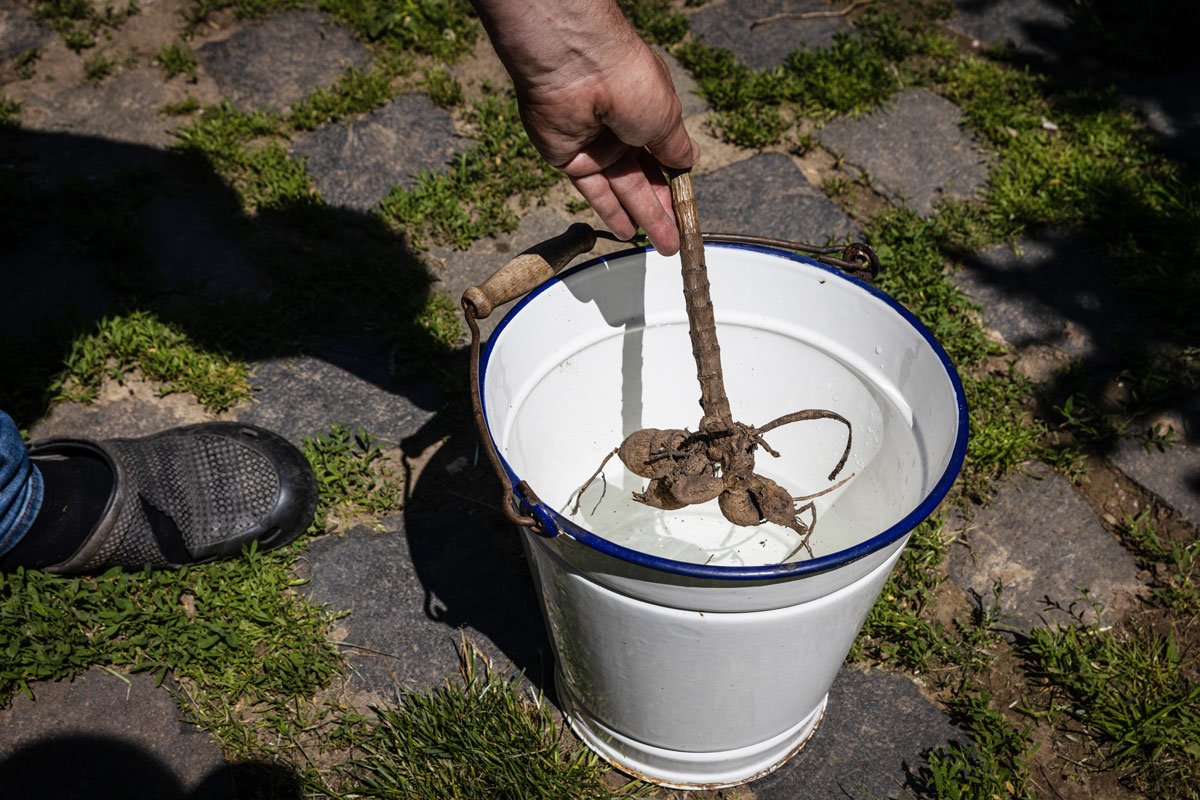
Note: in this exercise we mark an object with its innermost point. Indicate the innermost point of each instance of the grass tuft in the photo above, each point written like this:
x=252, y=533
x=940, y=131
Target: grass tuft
x=471, y=199
x=177, y=59
x=163, y=353
x=482, y=739
x=351, y=474
x=1135, y=695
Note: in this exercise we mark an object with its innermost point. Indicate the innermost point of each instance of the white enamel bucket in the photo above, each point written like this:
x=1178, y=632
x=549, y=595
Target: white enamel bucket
x=687, y=654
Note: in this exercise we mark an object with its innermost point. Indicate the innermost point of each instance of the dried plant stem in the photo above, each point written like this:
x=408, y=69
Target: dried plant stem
x=841, y=12
x=716, y=462
x=702, y=324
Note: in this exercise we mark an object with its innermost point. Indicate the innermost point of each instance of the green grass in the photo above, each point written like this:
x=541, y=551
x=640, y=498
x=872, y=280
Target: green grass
x=1135, y=695
x=98, y=67
x=10, y=112
x=162, y=352
x=357, y=91
x=482, y=739
x=229, y=629
x=1174, y=564
x=350, y=472
x=658, y=21
x=177, y=59
x=182, y=108
x=992, y=766
x=26, y=63
x=442, y=88
x=755, y=108
x=471, y=199
x=444, y=29
x=79, y=22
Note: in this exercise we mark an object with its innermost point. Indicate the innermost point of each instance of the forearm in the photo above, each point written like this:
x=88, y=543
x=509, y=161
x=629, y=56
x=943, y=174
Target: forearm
x=556, y=41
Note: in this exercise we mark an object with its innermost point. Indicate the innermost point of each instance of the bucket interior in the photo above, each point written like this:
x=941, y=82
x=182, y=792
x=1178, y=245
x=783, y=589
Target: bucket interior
x=604, y=350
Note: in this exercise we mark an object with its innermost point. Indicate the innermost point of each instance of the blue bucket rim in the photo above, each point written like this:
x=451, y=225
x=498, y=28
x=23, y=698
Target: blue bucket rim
x=554, y=523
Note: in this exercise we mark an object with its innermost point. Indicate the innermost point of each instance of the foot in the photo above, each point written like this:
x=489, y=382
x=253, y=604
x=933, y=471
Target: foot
x=184, y=496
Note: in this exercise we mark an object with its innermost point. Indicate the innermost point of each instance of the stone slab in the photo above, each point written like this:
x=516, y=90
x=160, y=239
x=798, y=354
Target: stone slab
x=131, y=407
x=275, y=61
x=685, y=85
x=1051, y=294
x=20, y=32
x=768, y=195
x=299, y=396
x=1037, y=28
x=1170, y=105
x=1173, y=475
x=457, y=270
x=356, y=163
x=123, y=108
x=732, y=25
x=1039, y=540
x=914, y=150
x=873, y=742
x=417, y=587
x=106, y=736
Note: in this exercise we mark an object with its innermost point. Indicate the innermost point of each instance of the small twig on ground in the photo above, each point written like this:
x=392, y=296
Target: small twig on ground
x=841, y=12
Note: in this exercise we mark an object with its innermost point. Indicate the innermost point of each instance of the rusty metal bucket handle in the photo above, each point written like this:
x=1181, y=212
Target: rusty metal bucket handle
x=533, y=267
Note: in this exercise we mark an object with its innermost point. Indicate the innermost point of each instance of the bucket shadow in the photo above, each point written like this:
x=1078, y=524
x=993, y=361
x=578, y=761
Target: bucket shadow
x=466, y=554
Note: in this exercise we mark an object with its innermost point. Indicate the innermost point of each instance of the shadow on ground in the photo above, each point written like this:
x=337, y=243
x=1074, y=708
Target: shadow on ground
x=306, y=292
x=82, y=767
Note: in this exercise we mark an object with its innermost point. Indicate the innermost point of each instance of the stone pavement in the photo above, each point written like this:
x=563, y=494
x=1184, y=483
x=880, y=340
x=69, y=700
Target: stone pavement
x=446, y=568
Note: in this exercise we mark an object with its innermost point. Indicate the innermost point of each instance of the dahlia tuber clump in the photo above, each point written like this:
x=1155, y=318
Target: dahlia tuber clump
x=716, y=461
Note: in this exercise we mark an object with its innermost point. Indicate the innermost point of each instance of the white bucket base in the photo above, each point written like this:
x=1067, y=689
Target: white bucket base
x=677, y=769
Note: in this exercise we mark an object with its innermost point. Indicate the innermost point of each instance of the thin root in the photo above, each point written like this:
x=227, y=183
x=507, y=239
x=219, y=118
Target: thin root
x=599, y=473
x=804, y=543
x=826, y=490
x=813, y=414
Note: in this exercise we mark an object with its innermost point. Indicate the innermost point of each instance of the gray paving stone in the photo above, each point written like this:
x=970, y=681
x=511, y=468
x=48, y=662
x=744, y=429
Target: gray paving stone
x=123, y=108
x=20, y=32
x=417, y=587
x=1050, y=292
x=768, y=195
x=1172, y=475
x=1171, y=107
x=356, y=163
x=103, y=736
x=731, y=25
x=1039, y=28
x=457, y=270
x=1040, y=541
x=132, y=408
x=872, y=744
x=304, y=395
x=914, y=150
x=685, y=85
x=273, y=62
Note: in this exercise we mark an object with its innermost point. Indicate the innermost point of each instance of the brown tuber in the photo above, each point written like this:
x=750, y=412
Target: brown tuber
x=717, y=461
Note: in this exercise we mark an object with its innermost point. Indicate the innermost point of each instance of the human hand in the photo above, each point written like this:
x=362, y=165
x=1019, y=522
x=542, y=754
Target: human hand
x=599, y=105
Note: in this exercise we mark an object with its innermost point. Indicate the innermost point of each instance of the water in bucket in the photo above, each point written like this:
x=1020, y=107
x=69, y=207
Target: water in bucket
x=592, y=391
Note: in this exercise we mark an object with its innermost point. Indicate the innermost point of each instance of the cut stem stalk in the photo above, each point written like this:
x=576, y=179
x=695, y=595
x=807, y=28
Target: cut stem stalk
x=701, y=323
